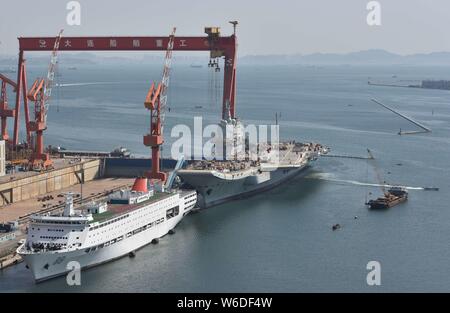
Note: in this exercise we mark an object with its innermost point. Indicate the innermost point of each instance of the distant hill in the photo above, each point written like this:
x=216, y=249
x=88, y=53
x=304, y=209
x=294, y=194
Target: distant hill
x=366, y=57
x=70, y=59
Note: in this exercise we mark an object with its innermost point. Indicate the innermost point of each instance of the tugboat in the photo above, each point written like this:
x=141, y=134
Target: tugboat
x=120, y=152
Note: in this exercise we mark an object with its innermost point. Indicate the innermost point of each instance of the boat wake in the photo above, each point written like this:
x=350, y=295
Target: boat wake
x=330, y=177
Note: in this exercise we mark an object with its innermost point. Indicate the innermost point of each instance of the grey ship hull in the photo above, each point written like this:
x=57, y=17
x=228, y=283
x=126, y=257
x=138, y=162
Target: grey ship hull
x=214, y=189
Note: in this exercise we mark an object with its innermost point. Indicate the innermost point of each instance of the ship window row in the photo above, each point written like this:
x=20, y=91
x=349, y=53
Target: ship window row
x=143, y=227
x=134, y=232
x=156, y=207
x=58, y=230
x=150, y=225
x=110, y=222
x=46, y=246
x=59, y=222
x=52, y=237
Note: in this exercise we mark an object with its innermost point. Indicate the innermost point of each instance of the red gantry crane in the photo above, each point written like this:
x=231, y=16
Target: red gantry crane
x=218, y=46
x=40, y=93
x=156, y=102
x=5, y=111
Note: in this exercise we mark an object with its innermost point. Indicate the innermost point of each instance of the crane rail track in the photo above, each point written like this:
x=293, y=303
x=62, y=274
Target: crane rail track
x=24, y=219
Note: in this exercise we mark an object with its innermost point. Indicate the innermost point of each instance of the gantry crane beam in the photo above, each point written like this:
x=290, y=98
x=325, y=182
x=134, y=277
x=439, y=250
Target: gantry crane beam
x=120, y=43
x=217, y=45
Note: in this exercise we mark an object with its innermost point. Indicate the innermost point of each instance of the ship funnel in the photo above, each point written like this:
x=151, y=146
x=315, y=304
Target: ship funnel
x=140, y=185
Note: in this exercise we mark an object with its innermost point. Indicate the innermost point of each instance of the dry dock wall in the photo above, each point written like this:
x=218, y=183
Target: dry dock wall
x=42, y=183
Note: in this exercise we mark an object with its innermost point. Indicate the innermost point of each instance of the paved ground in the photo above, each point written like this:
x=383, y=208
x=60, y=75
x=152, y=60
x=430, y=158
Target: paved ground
x=15, y=210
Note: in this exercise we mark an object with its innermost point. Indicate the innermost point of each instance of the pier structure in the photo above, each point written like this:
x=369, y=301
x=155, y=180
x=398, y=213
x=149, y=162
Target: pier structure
x=424, y=128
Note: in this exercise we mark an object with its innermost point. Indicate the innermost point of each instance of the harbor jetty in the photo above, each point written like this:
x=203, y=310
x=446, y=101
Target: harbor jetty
x=421, y=126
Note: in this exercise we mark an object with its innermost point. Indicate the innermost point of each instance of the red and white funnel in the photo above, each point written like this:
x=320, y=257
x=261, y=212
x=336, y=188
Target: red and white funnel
x=140, y=185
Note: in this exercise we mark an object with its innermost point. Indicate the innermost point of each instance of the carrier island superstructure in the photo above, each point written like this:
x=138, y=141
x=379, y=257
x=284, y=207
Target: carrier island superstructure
x=219, y=181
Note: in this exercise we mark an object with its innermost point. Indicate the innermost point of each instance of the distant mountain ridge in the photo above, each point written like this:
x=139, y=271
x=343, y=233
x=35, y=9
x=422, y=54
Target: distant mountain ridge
x=365, y=57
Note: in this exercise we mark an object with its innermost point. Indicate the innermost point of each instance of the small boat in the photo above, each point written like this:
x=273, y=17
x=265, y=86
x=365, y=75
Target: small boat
x=335, y=227
x=397, y=191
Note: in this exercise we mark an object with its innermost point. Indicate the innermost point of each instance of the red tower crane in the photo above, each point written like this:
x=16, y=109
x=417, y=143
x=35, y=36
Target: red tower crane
x=156, y=102
x=40, y=93
x=5, y=111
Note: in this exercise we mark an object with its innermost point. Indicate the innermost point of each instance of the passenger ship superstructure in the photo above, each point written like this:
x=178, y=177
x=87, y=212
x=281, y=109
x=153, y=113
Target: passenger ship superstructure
x=102, y=231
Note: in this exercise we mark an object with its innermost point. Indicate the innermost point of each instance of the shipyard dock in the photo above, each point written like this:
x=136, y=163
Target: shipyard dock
x=26, y=192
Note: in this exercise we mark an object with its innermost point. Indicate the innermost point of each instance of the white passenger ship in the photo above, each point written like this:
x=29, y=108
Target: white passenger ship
x=103, y=231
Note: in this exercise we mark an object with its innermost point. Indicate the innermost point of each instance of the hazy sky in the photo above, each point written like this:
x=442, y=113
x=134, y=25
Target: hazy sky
x=266, y=27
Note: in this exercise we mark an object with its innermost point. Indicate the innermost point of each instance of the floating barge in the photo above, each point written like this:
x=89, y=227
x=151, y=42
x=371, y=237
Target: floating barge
x=392, y=197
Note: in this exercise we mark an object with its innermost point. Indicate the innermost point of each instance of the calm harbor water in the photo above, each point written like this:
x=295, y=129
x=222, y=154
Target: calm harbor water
x=282, y=240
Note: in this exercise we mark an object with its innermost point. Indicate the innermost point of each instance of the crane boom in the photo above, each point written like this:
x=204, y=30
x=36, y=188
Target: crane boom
x=166, y=74
x=40, y=94
x=377, y=172
x=49, y=82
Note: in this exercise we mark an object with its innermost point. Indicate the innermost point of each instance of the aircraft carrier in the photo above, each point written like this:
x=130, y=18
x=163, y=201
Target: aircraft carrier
x=219, y=181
